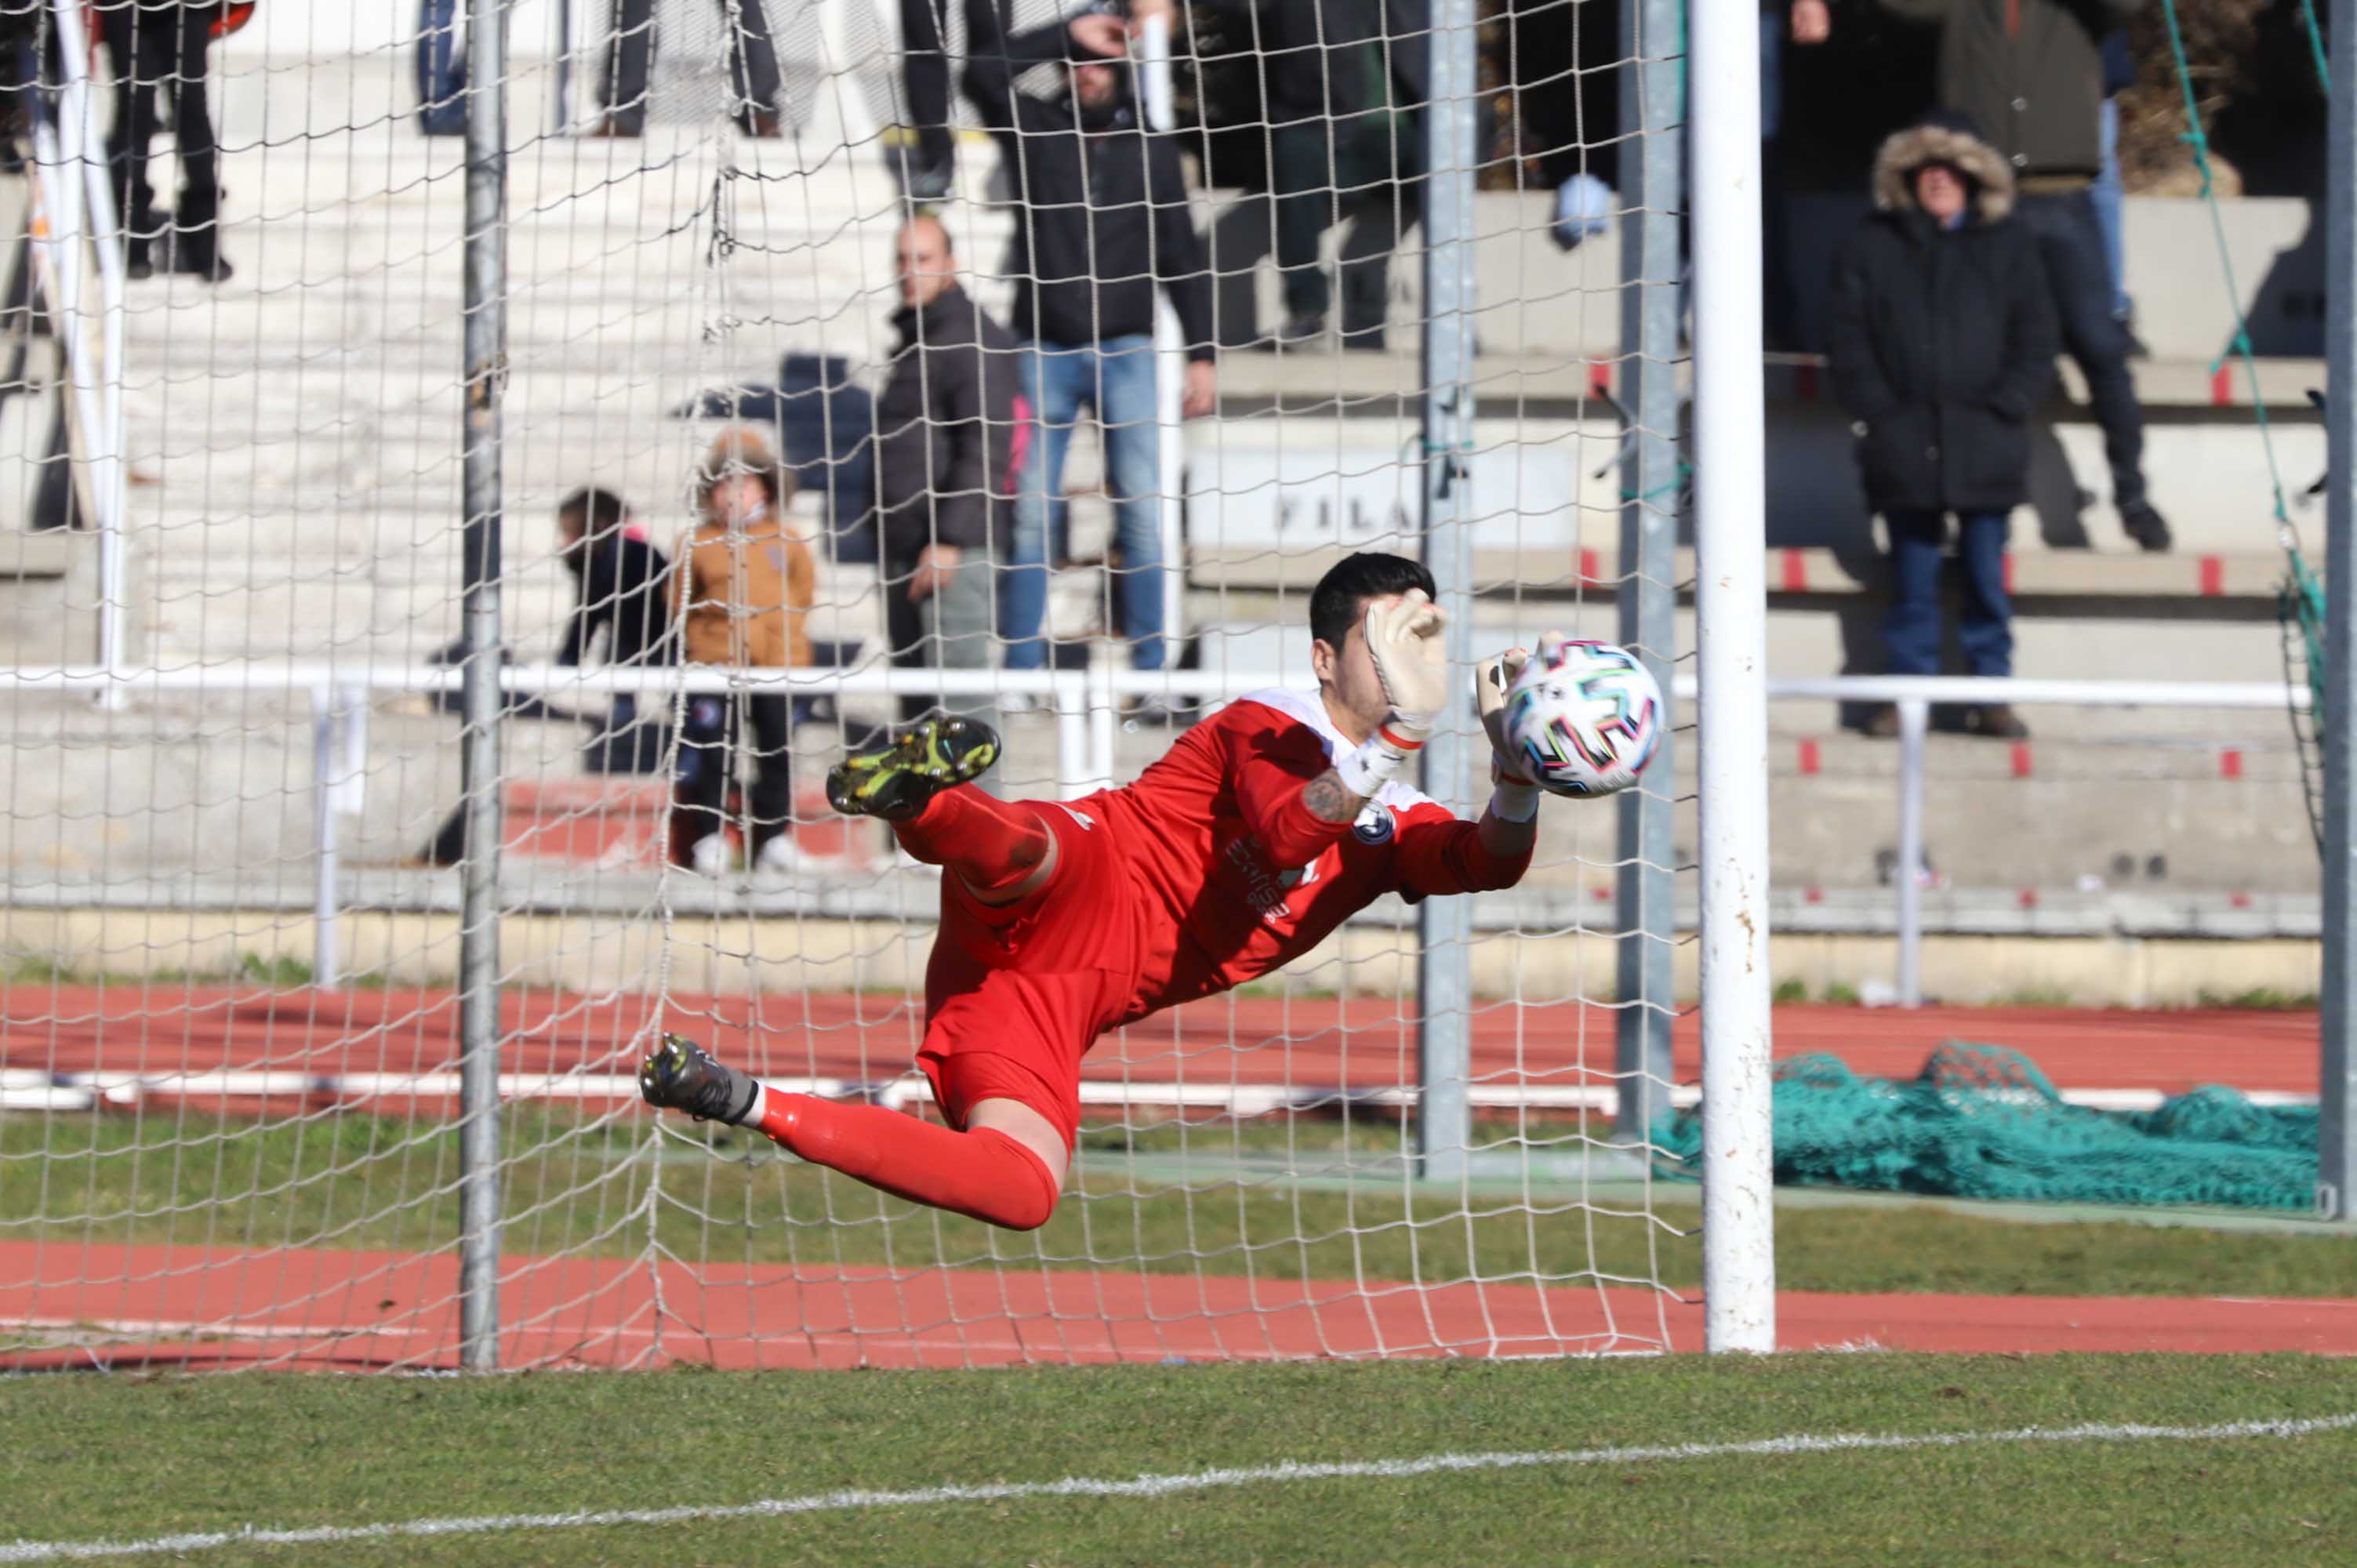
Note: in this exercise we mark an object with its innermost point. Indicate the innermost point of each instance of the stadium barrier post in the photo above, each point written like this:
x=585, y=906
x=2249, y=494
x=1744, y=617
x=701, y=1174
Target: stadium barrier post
x=324, y=968
x=1730, y=620
x=1445, y=926
x=1072, y=704
x=1154, y=78
x=96, y=215
x=1170, y=347
x=1104, y=719
x=2336, y=1128
x=1915, y=720
x=855, y=120
x=1652, y=113
x=353, y=795
x=560, y=107
x=483, y=700
x=78, y=201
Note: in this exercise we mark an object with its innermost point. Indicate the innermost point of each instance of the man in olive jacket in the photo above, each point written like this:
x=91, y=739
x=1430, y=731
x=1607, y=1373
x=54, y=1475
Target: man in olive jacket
x=1942, y=341
x=2030, y=75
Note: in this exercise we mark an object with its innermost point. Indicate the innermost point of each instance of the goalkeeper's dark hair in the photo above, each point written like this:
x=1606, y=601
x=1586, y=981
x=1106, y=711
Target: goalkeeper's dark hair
x=601, y=512
x=1342, y=595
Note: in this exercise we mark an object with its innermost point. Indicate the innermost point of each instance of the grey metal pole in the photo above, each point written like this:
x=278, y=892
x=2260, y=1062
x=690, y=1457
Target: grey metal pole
x=1653, y=262
x=560, y=113
x=1914, y=720
x=326, y=967
x=482, y=701
x=2337, y=1127
x=1444, y=1123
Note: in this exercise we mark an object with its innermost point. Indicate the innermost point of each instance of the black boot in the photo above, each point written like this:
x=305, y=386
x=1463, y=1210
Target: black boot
x=197, y=253
x=1997, y=721
x=2142, y=521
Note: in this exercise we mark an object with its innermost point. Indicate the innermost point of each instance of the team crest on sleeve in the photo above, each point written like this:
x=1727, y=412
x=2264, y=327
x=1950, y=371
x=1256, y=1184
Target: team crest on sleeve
x=1376, y=823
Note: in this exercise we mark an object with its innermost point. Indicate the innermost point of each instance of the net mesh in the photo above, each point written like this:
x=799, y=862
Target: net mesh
x=1982, y=1121
x=229, y=1076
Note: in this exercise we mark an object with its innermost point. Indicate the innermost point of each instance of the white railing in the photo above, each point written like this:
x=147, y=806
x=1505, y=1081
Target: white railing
x=1086, y=706
x=1913, y=696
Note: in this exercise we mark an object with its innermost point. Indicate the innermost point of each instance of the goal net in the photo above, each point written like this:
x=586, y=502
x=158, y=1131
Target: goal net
x=233, y=457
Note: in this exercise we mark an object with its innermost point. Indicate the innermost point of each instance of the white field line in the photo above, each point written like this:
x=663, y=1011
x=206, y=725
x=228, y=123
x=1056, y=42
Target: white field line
x=1152, y=1486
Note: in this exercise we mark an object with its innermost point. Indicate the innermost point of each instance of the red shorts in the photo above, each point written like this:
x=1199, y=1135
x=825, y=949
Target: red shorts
x=1015, y=996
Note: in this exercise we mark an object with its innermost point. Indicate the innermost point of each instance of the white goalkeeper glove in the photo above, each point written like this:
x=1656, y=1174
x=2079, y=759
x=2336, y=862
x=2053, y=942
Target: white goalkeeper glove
x=1514, y=797
x=1411, y=658
x=1404, y=637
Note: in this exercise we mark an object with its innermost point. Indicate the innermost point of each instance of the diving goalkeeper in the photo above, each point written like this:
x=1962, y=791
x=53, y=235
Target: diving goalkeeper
x=1262, y=830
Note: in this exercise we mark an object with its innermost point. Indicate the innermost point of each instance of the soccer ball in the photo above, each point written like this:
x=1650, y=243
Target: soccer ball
x=1583, y=718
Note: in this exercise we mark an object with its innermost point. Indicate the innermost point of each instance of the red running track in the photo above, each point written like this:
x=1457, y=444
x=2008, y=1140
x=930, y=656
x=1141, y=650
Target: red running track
x=130, y=1308
x=1318, y=1043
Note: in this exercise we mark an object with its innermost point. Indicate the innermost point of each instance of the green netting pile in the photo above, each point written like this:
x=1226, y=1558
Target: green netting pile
x=2300, y=604
x=1982, y=1122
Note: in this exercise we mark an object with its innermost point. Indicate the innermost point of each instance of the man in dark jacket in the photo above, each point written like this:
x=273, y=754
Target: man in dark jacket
x=949, y=429
x=2030, y=74
x=1104, y=227
x=620, y=588
x=1942, y=341
x=1342, y=99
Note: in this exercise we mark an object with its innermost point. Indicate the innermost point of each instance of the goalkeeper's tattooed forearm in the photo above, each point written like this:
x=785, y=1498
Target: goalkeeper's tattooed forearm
x=1329, y=801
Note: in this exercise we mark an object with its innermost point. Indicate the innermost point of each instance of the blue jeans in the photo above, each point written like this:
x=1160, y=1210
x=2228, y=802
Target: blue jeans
x=2107, y=194
x=441, y=68
x=1984, y=629
x=1115, y=377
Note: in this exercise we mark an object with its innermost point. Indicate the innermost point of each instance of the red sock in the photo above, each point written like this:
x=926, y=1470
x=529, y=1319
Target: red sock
x=981, y=1171
x=990, y=843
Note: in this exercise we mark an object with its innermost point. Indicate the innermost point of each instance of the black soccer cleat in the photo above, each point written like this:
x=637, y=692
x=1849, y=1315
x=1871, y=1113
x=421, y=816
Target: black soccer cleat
x=895, y=779
x=679, y=1075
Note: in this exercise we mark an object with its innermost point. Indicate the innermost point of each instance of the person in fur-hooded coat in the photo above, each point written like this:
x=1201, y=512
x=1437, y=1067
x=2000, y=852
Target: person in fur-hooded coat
x=1942, y=341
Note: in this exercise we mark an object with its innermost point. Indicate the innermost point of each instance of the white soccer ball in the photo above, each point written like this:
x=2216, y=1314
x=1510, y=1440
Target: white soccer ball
x=1584, y=719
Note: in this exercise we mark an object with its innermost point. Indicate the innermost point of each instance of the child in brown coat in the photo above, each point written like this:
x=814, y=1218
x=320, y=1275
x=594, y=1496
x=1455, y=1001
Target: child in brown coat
x=742, y=590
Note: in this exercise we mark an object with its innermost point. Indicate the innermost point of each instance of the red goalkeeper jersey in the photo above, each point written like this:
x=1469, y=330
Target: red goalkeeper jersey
x=1234, y=877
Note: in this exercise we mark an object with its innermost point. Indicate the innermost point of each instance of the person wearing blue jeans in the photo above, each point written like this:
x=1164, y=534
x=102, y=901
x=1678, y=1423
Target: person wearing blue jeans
x=1942, y=340
x=1114, y=378
x=1911, y=634
x=441, y=69
x=2109, y=194
x=1104, y=230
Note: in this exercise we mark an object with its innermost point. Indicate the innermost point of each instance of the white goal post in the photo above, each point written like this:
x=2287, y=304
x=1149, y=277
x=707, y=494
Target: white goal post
x=319, y=1040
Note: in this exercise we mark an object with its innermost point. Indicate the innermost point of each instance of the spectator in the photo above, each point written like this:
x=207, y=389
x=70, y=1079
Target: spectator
x=620, y=588
x=948, y=433
x=2030, y=72
x=441, y=69
x=742, y=591
x=928, y=166
x=629, y=58
x=158, y=49
x=1343, y=145
x=1808, y=22
x=1104, y=223
x=2119, y=75
x=1942, y=341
